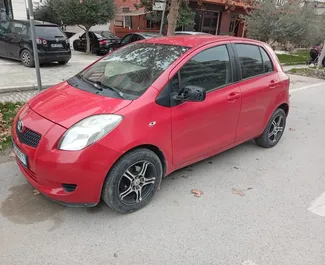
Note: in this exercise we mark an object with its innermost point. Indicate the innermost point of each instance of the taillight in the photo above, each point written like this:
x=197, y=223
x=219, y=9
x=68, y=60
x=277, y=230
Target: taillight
x=103, y=42
x=41, y=41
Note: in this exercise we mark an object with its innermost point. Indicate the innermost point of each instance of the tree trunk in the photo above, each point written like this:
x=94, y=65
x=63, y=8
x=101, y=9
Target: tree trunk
x=321, y=57
x=173, y=16
x=88, y=40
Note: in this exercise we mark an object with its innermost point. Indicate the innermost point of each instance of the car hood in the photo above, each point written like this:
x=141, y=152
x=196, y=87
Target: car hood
x=66, y=105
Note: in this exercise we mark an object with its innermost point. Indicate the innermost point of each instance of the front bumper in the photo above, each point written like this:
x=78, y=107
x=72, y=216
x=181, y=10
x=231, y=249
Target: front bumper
x=50, y=170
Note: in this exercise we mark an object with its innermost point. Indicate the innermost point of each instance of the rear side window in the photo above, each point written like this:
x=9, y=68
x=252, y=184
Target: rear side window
x=209, y=69
x=49, y=32
x=267, y=62
x=250, y=60
x=18, y=28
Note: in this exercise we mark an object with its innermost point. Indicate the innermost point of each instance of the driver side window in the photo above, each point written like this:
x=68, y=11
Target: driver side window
x=209, y=69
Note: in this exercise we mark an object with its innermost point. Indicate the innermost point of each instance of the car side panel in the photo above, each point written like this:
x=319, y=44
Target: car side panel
x=144, y=123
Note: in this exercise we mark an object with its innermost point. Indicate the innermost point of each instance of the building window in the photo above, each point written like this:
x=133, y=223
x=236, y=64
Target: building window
x=5, y=10
x=150, y=24
x=128, y=22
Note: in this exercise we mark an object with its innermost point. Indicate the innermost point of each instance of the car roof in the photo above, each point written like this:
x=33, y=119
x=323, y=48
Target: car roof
x=147, y=35
x=37, y=22
x=196, y=40
x=191, y=33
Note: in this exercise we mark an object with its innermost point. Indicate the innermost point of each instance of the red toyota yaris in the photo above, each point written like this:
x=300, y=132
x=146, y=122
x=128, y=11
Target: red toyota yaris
x=118, y=127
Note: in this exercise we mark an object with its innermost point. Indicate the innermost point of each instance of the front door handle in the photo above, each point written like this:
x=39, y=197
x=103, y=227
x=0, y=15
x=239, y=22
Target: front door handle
x=233, y=96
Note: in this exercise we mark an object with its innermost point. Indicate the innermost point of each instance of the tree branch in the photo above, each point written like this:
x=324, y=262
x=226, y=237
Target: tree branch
x=81, y=27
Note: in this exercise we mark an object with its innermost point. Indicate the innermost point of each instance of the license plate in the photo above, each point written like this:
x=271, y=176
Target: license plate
x=56, y=45
x=19, y=154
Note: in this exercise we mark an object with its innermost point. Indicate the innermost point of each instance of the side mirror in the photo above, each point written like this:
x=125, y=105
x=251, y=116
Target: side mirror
x=191, y=93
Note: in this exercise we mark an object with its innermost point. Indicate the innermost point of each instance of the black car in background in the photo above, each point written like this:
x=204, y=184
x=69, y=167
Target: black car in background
x=100, y=42
x=101, y=45
x=16, y=42
x=132, y=37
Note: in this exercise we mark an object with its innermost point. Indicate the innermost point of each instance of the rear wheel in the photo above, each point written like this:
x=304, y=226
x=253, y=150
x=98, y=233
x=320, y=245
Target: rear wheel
x=132, y=181
x=27, y=58
x=63, y=62
x=274, y=130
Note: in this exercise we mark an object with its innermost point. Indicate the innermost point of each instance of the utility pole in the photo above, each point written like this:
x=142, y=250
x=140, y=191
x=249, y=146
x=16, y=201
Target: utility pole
x=162, y=17
x=35, y=52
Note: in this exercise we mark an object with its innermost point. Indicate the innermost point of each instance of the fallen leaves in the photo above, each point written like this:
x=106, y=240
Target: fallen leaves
x=292, y=129
x=238, y=192
x=8, y=111
x=197, y=193
x=36, y=192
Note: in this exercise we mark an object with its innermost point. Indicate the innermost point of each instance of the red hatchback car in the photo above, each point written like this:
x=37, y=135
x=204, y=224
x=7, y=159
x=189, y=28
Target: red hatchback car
x=118, y=127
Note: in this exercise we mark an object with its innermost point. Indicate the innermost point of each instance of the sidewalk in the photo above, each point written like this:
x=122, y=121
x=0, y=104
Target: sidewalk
x=15, y=77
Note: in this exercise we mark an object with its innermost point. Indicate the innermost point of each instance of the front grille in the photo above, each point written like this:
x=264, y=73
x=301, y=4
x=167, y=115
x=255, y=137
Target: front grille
x=28, y=137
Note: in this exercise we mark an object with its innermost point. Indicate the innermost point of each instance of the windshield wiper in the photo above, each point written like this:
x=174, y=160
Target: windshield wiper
x=100, y=85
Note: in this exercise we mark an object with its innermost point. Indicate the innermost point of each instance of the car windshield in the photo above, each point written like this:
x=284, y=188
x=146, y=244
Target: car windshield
x=49, y=32
x=133, y=68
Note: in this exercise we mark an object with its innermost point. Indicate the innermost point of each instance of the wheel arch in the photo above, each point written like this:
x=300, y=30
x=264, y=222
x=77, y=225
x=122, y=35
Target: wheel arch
x=285, y=107
x=154, y=149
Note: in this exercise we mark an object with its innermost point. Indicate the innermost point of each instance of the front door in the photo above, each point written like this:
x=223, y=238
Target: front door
x=200, y=128
x=18, y=32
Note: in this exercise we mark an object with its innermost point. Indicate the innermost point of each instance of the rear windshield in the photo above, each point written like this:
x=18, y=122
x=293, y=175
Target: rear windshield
x=49, y=32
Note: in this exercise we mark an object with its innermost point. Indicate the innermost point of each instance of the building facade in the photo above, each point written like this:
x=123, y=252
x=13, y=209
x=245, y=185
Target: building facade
x=13, y=9
x=210, y=16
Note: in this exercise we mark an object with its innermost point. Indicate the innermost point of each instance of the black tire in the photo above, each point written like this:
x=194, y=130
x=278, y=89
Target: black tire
x=27, y=58
x=323, y=62
x=63, y=62
x=110, y=49
x=124, y=189
x=274, y=130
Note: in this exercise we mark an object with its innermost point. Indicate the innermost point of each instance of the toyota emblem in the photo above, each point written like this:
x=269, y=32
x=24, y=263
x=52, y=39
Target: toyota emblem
x=20, y=126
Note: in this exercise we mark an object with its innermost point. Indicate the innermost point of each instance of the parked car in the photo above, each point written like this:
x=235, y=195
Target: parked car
x=191, y=33
x=16, y=42
x=100, y=42
x=132, y=37
x=146, y=110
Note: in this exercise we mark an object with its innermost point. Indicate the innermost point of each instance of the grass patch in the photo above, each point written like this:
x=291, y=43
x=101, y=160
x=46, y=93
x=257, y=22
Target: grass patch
x=309, y=72
x=294, y=59
x=8, y=111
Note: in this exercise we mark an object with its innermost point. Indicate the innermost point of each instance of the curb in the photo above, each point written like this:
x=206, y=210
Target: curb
x=17, y=89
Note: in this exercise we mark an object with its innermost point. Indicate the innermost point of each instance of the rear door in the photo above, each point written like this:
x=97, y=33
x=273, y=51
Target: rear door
x=259, y=86
x=4, y=27
x=51, y=38
x=17, y=36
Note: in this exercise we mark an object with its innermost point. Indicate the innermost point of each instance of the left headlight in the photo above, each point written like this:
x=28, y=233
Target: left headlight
x=88, y=131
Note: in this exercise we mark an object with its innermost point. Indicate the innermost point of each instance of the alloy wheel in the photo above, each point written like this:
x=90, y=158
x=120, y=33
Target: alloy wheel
x=137, y=182
x=26, y=58
x=276, y=129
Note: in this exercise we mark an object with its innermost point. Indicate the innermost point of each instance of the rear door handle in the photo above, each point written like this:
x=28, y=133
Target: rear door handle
x=273, y=84
x=233, y=96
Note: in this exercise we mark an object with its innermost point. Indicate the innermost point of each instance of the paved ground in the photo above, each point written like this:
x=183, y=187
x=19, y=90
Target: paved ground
x=14, y=75
x=270, y=224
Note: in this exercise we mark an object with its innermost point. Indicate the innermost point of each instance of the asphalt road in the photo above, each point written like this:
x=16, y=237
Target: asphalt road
x=255, y=208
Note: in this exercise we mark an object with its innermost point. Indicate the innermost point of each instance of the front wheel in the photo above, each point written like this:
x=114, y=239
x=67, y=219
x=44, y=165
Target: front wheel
x=274, y=130
x=133, y=181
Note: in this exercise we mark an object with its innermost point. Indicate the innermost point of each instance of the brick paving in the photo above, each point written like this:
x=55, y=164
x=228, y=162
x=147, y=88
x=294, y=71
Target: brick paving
x=17, y=96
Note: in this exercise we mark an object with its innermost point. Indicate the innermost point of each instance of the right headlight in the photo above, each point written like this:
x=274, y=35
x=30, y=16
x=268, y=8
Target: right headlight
x=88, y=131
